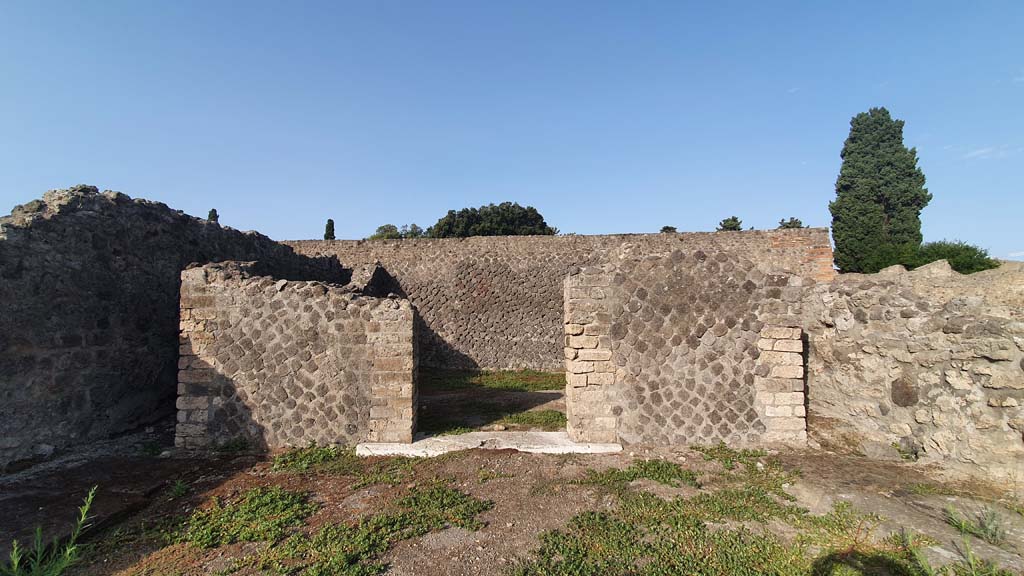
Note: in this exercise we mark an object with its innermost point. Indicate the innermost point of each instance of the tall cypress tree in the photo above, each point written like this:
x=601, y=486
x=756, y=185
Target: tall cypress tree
x=329, y=230
x=876, y=216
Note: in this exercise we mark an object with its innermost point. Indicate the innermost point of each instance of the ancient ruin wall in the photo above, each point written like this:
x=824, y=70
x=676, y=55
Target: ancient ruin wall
x=928, y=360
x=684, y=347
x=89, y=312
x=275, y=363
x=497, y=302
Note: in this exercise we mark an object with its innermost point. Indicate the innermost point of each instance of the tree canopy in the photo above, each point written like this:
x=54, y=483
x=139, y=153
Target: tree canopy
x=212, y=216
x=668, y=230
x=505, y=219
x=791, y=223
x=730, y=224
x=329, y=230
x=386, y=232
x=876, y=215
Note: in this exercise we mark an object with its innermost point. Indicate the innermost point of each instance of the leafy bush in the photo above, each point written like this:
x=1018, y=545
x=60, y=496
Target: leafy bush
x=51, y=560
x=505, y=219
x=730, y=224
x=962, y=257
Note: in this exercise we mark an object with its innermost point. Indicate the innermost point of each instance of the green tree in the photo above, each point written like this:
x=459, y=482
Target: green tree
x=668, y=230
x=791, y=223
x=212, y=216
x=411, y=231
x=505, y=219
x=329, y=230
x=730, y=224
x=386, y=232
x=876, y=215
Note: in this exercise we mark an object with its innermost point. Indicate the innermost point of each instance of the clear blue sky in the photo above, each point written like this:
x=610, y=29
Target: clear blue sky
x=608, y=117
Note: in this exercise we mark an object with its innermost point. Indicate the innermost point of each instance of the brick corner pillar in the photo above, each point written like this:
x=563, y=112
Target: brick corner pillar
x=393, y=378
x=779, y=385
x=588, y=355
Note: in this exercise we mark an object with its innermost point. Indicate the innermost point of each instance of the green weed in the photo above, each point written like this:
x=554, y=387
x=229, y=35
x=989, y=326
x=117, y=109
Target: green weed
x=986, y=524
x=353, y=550
x=484, y=475
x=52, y=560
x=179, y=488
x=661, y=471
x=262, y=514
x=730, y=457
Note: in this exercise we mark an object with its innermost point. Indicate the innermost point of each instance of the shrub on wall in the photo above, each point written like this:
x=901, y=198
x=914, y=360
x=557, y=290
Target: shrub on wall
x=962, y=257
x=730, y=224
x=505, y=219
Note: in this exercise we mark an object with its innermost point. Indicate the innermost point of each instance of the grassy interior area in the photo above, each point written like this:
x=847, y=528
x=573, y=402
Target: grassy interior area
x=433, y=380
x=456, y=402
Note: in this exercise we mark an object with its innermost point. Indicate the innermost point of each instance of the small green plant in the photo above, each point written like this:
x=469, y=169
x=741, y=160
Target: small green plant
x=259, y=515
x=52, y=560
x=730, y=457
x=971, y=565
x=905, y=453
x=484, y=475
x=986, y=524
x=392, y=471
x=179, y=488
x=661, y=471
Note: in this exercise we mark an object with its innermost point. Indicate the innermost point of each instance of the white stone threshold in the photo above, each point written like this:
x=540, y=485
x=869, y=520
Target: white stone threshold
x=534, y=442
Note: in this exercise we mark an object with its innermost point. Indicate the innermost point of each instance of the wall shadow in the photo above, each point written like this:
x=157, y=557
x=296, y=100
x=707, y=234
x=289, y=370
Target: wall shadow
x=454, y=401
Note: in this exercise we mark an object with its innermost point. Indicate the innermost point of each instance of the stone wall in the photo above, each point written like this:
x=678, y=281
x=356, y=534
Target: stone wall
x=688, y=346
x=89, y=312
x=929, y=361
x=275, y=363
x=497, y=302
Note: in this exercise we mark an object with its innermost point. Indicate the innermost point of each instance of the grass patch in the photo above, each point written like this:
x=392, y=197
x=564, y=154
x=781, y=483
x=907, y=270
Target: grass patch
x=313, y=458
x=343, y=461
x=551, y=420
x=392, y=471
x=730, y=457
x=262, y=514
x=661, y=471
x=519, y=380
x=345, y=549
